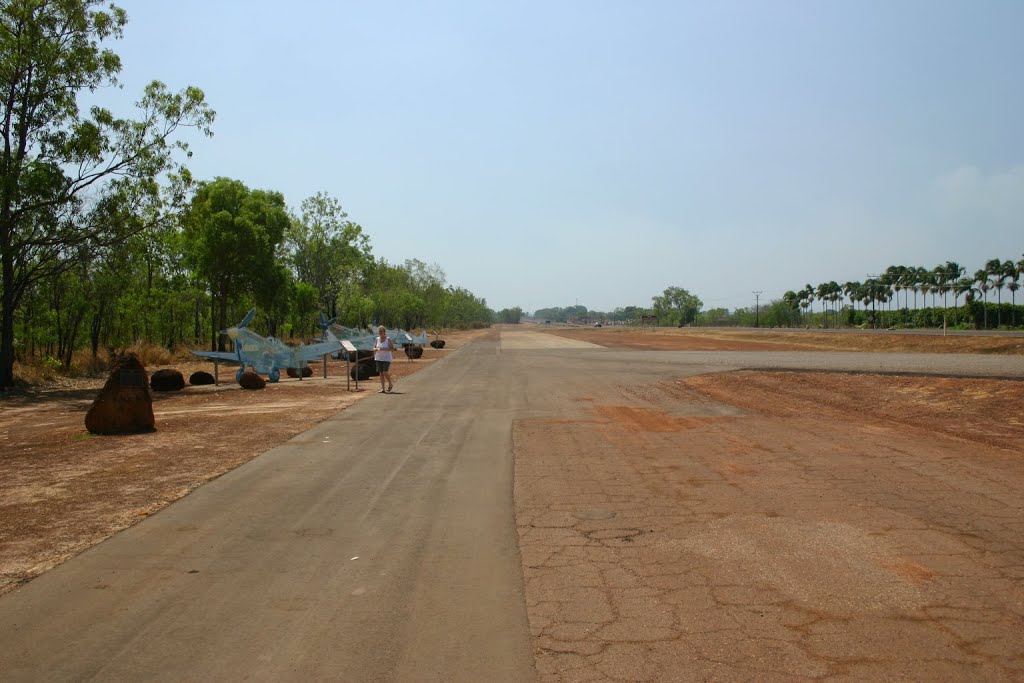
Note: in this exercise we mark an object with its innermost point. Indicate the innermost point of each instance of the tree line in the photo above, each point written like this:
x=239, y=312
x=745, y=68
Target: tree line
x=879, y=303
x=106, y=239
x=674, y=306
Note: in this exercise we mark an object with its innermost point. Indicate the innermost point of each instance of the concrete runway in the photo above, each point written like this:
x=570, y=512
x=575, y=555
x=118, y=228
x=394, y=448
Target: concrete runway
x=380, y=545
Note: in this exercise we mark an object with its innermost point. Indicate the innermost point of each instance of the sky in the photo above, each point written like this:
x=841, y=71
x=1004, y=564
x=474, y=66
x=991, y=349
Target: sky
x=561, y=152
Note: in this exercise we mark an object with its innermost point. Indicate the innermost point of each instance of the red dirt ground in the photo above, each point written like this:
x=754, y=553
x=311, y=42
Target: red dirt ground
x=777, y=526
x=717, y=339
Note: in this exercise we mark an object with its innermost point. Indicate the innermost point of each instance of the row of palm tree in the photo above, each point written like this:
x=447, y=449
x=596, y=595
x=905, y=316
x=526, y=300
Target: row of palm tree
x=947, y=278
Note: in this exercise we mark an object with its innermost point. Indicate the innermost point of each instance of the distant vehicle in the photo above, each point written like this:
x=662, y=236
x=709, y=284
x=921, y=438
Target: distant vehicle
x=266, y=355
x=597, y=324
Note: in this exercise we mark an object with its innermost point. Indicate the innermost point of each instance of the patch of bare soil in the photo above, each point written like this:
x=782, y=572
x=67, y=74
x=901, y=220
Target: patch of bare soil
x=64, y=490
x=698, y=339
x=766, y=525
x=982, y=412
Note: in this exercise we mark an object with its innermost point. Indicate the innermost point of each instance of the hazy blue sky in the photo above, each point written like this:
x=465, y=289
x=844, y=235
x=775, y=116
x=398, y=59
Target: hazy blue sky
x=544, y=152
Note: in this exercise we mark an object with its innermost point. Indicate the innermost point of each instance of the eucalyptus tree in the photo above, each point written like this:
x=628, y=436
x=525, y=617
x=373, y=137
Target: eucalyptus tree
x=231, y=236
x=60, y=169
x=325, y=248
x=680, y=302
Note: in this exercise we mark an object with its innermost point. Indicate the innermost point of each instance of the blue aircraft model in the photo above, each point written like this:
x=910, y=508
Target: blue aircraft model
x=266, y=355
x=363, y=339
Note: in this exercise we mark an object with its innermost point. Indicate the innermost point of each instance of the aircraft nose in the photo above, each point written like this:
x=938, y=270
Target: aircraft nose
x=232, y=333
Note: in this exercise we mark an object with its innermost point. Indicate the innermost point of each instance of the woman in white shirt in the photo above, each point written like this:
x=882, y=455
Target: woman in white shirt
x=382, y=348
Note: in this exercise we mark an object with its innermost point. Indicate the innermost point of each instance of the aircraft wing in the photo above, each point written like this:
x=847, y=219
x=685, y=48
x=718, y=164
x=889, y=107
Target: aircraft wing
x=421, y=338
x=363, y=342
x=225, y=356
x=316, y=350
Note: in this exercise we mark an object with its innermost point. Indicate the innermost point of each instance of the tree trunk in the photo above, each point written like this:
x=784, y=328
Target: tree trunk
x=95, y=328
x=213, y=321
x=69, y=346
x=7, y=328
x=223, y=314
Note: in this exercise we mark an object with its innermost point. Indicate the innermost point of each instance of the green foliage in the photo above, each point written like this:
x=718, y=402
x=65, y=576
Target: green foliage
x=74, y=184
x=231, y=235
x=676, y=306
x=510, y=316
x=327, y=250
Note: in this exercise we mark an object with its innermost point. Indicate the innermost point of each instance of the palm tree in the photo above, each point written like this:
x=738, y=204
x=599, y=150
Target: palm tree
x=981, y=277
x=994, y=268
x=939, y=283
x=821, y=293
x=923, y=277
x=962, y=286
x=951, y=272
x=1012, y=271
x=852, y=291
x=809, y=296
x=891, y=277
x=792, y=300
x=835, y=293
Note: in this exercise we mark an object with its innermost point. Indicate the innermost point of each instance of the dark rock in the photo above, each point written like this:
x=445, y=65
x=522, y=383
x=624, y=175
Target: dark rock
x=437, y=343
x=252, y=380
x=306, y=371
x=124, y=404
x=200, y=377
x=167, y=379
x=363, y=371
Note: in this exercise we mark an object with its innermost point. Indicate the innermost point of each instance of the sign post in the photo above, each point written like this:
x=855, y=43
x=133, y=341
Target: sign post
x=349, y=350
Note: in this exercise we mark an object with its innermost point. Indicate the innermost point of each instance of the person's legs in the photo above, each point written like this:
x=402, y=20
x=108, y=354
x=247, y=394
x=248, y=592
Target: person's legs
x=381, y=372
x=390, y=384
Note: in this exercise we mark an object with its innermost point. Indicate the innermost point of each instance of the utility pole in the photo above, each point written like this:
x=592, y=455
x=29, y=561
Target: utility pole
x=757, y=307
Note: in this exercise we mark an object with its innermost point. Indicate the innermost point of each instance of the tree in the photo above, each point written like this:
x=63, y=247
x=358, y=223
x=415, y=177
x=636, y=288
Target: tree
x=981, y=277
x=685, y=305
x=67, y=180
x=231, y=235
x=994, y=270
x=1012, y=272
x=510, y=316
x=326, y=248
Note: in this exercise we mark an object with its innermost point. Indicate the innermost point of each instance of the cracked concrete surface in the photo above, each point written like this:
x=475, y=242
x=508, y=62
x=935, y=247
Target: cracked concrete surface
x=669, y=536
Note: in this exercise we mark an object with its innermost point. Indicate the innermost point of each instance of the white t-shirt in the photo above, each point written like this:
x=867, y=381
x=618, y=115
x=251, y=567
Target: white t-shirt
x=382, y=349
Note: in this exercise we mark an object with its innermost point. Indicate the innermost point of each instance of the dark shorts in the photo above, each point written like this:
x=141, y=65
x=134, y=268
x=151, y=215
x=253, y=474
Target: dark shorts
x=382, y=365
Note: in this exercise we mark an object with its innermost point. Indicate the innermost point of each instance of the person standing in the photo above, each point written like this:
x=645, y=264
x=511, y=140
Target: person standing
x=382, y=356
